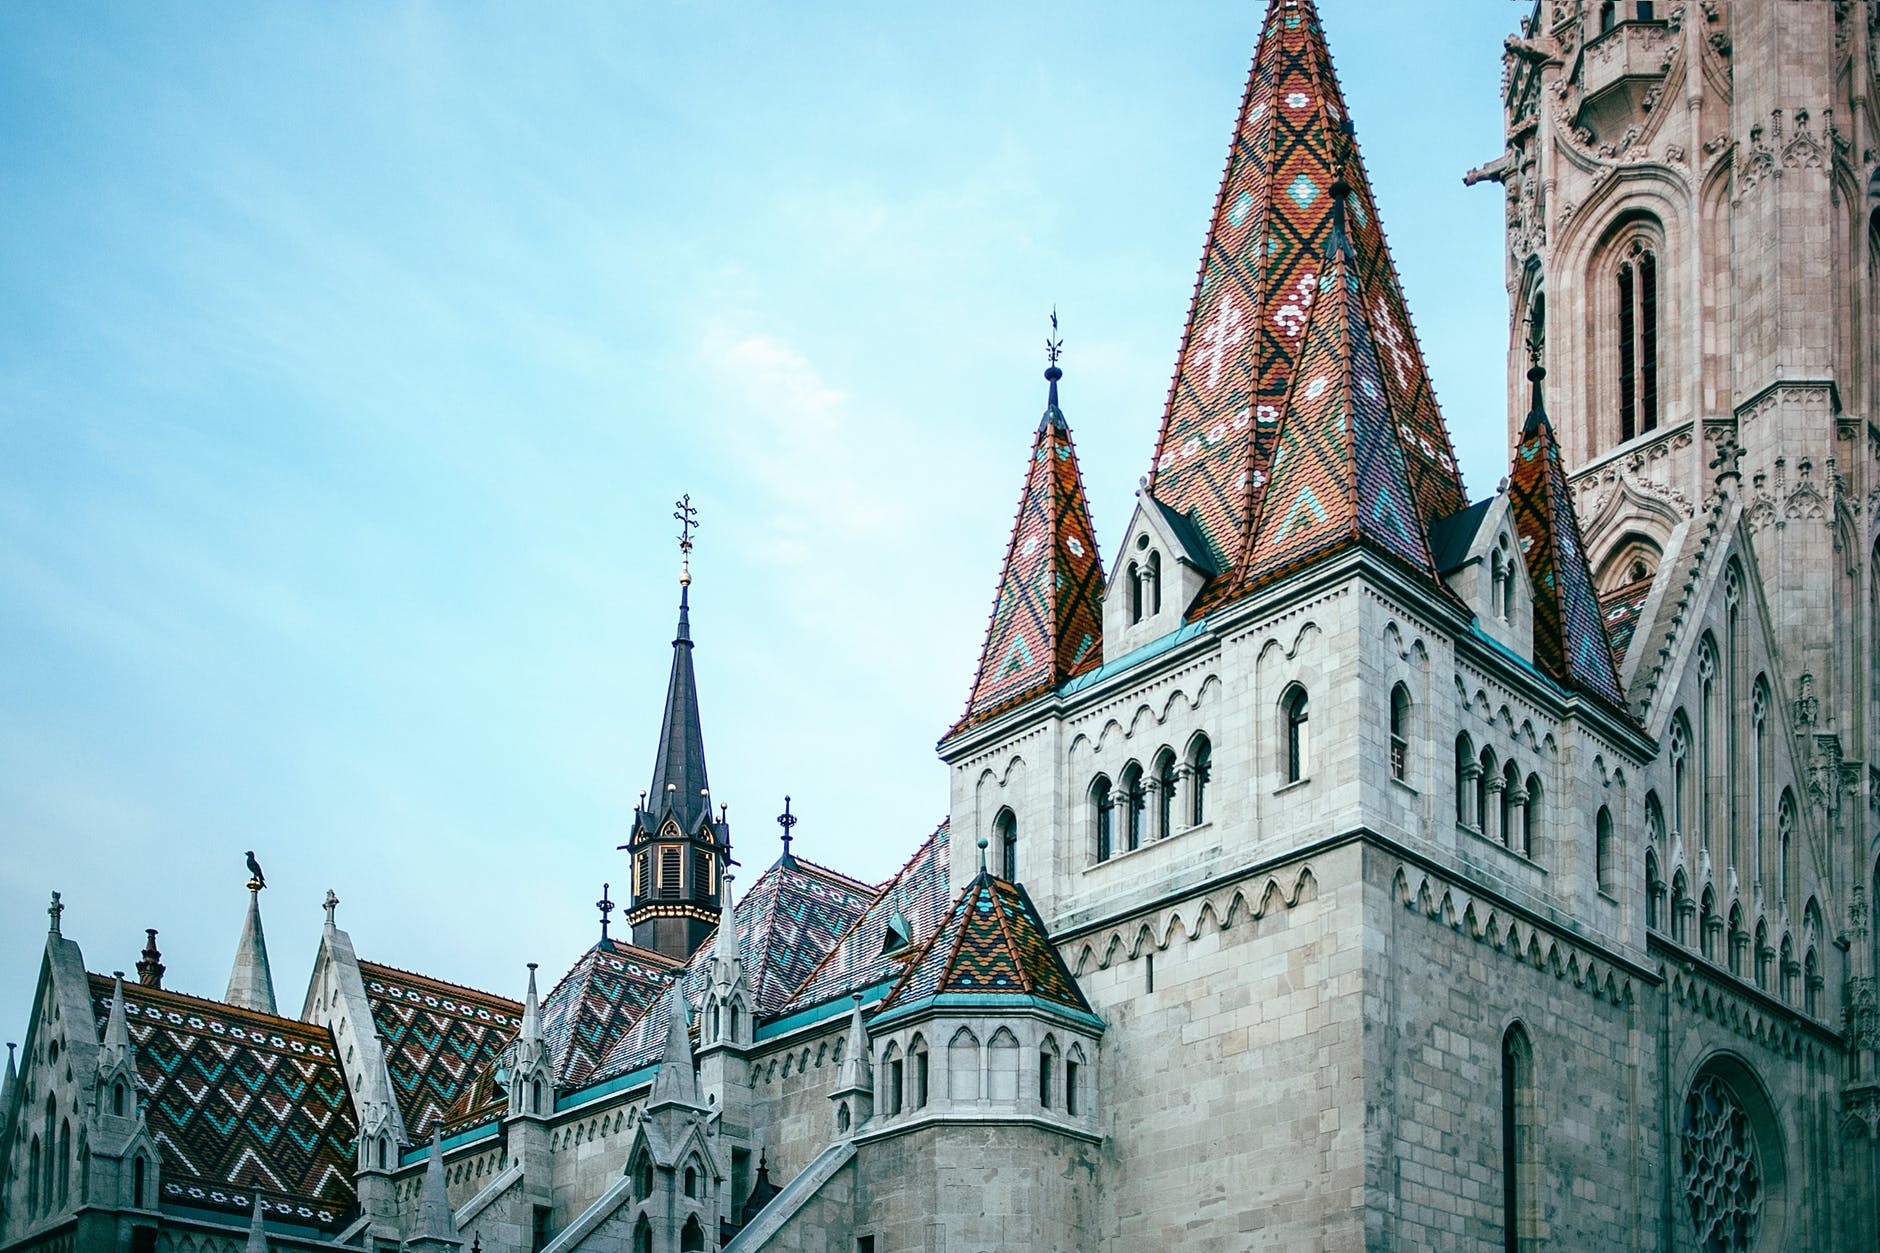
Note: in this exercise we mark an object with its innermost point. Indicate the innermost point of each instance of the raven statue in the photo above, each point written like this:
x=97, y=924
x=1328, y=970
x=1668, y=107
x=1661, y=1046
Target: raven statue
x=254, y=870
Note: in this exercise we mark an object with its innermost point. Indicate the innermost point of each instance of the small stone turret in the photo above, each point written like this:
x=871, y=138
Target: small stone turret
x=678, y=1184
x=250, y=981
x=854, y=1093
x=435, y=1230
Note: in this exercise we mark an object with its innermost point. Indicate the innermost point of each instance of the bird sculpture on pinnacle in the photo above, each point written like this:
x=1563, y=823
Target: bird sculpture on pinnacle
x=256, y=879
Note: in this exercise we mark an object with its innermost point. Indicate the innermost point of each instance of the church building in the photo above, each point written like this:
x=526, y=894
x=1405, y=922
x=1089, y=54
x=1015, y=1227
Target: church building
x=1346, y=864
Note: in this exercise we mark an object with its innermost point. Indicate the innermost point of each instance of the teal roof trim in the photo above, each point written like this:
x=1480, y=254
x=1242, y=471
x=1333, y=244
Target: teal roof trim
x=1526, y=665
x=606, y=1087
x=828, y=1009
x=1136, y=656
x=423, y=1151
x=988, y=1000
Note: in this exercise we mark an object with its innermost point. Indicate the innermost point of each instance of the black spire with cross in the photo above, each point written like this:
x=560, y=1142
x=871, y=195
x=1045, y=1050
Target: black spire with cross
x=1053, y=418
x=1537, y=408
x=606, y=906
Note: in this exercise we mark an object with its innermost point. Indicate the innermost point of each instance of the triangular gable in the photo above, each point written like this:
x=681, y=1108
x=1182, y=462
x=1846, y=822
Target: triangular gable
x=436, y=1037
x=1047, y=618
x=1260, y=277
x=603, y=994
x=991, y=944
x=1570, y=638
x=1339, y=475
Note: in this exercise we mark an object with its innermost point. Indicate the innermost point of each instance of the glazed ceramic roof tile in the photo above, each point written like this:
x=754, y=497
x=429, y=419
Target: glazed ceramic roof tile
x=1339, y=475
x=1047, y=618
x=240, y=1102
x=594, y=1004
x=1260, y=275
x=437, y=1038
x=1570, y=634
x=913, y=902
x=1620, y=610
x=990, y=944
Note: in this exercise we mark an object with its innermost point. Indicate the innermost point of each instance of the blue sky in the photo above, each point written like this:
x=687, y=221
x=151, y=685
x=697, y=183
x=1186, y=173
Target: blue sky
x=352, y=355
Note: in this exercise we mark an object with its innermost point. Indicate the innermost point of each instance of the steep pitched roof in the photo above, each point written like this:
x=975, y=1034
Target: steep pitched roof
x=1047, y=618
x=437, y=1037
x=1620, y=610
x=679, y=789
x=1339, y=475
x=915, y=899
x=991, y=944
x=603, y=994
x=1259, y=278
x=239, y=1101
x=1570, y=639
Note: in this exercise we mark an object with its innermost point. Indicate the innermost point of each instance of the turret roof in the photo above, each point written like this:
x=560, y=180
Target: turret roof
x=1260, y=276
x=679, y=789
x=1047, y=617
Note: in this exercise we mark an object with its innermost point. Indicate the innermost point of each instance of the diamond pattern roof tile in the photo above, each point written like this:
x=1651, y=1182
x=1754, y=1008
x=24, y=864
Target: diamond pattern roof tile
x=241, y=1102
x=1621, y=610
x=1260, y=275
x=916, y=898
x=602, y=995
x=990, y=944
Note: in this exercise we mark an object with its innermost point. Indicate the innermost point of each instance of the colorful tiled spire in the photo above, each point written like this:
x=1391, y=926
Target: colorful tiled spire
x=1261, y=273
x=1570, y=640
x=1338, y=475
x=992, y=944
x=1047, y=620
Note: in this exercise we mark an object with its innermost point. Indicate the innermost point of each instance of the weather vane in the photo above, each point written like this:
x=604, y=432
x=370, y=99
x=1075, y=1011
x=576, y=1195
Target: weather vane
x=786, y=820
x=606, y=907
x=1054, y=343
x=686, y=513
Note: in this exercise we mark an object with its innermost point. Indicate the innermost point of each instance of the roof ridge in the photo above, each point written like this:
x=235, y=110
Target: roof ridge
x=443, y=983
x=145, y=991
x=1025, y=980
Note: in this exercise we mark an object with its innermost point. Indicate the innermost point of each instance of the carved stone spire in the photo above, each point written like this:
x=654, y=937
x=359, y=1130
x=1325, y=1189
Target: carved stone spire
x=257, y=1234
x=250, y=980
x=675, y=1083
x=436, y=1226
x=150, y=966
x=116, y=1049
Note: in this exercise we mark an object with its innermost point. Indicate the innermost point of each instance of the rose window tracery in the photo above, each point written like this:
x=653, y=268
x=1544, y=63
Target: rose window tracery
x=1722, y=1174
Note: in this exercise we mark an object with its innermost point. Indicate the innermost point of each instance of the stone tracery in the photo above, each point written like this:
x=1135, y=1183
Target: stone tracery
x=1722, y=1172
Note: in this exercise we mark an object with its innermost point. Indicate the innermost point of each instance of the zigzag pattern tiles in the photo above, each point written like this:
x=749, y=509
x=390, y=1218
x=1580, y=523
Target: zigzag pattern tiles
x=991, y=943
x=917, y=897
x=437, y=1037
x=240, y=1102
x=593, y=1005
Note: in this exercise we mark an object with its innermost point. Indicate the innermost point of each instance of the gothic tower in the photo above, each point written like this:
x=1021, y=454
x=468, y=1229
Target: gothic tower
x=679, y=849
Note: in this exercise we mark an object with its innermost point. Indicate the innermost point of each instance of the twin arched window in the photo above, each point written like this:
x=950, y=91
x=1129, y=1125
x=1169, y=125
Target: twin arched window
x=1636, y=295
x=1145, y=586
x=1125, y=804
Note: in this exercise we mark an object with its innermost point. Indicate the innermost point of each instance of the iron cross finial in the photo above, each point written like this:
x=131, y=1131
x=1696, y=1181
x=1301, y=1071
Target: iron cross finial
x=786, y=820
x=58, y=907
x=686, y=513
x=1536, y=337
x=1054, y=342
x=606, y=907
x=330, y=904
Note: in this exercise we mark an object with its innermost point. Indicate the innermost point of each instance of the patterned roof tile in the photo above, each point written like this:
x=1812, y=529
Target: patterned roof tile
x=991, y=943
x=237, y=1100
x=916, y=898
x=1570, y=633
x=1047, y=618
x=1260, y=274
x=602, y=995
x=1620, y=610
x=437, y=1038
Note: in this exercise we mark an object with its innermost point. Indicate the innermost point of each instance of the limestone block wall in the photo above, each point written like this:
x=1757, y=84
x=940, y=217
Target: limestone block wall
x=1447, y=975
x=960, y=1188
x=589, y=1148
x=790, y=1083
x=1231, y=1093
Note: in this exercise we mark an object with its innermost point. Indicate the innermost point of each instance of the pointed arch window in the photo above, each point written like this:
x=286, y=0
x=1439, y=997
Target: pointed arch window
x=963, y=1066
x=1785, y=845
x=1637, y=283
x=1680, y=773
x=1073, y=1081
x=1487, y=786
x=1295, y=741
x=1466, y=774
x=1047, y=1071
x=897, y=1076
x=1811, y=997
x=1603, y=870
x=918, y=1073
x=1002, y=1067
x=1759, y=744
x=1513, y=810
x=1166, y=773
x=1102, y=817
x=1399, y=732
x=1200, y=771
x=643, y=1236
x=1654, y=892
x=1134, y=589
x=1152, y=575
x=693, y=1237
x=1135, y=806
x=1005, y=842
x=1517, y=1136
x=137, y=1183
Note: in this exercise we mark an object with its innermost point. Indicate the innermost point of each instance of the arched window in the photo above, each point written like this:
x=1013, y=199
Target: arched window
x=1047, y=1071
x=1530, y=814
x=1654, y=892
x=1295, y=743
x=1637, y=302
x=1005, y=841
x=1487, y=787
x=117, y=1099
x=736, y=1021
x=1102, y=817
x=1002, y=1067
x=692, y=1237
x=643, y=1177
x=32, y=1176
x=1604, y=872
x=137, y=1183
x=1073, y=1081
x=1499, y=576
x=1200, y=770
x=1152, y=574
x=1504, y=602
x=1707, y=924
x=1399, y=732
x=1763, y=953
x=643, y=1236
x=1787, y=969
x=691, y=1182
x=1707, y=738
x=535, y=1096
x=1785, y=846
x=1735, y=938
x=1134, y=575
x=1725, y=1174
x=1165, y=773
x=1759, y=747
x=963, y=1066
x=1680, y=908
x=1466, y=776
x=917, y=1073
x=1811, y=1000
x=1135, y=806
x=896, y=1067
x=1680, y=773
x=1512, y=810
x=1517, y=1135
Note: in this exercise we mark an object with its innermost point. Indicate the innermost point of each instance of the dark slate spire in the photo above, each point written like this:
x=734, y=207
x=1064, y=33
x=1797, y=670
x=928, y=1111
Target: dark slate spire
x=679, y=788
